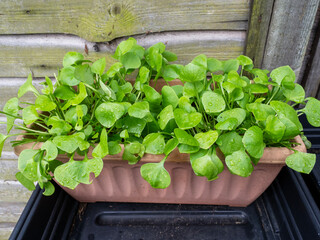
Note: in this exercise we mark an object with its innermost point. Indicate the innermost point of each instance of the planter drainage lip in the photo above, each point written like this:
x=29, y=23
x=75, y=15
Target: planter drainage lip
x=271, y=155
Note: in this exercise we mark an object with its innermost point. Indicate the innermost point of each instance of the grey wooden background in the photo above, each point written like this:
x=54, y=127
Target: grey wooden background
x=35, y=35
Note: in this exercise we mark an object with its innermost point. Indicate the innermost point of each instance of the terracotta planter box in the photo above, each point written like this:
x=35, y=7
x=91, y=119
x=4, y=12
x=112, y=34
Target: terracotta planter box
x=121, y=182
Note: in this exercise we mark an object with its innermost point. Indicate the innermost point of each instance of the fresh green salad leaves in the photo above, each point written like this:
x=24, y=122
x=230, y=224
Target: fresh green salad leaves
x=91, y=111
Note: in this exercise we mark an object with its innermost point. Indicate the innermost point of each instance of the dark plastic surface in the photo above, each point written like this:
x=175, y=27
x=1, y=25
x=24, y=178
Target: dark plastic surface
x=289, y=209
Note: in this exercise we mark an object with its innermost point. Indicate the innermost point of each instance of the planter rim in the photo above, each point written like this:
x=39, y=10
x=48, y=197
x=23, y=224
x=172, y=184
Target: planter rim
x=271, y=155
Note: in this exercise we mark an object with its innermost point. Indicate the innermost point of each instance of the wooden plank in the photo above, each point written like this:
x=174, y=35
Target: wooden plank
x=6, y=230
x=43, y=54
x=13, y=191
x=258, y=30
x=289, y=33
x=104, y=20
x=10, y=212
x=8, y=169
x=313, y=80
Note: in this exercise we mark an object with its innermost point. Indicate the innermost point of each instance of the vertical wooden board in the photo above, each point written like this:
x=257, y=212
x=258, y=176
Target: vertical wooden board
x=43, y=54
x=313, y=78
x=289, y=33
x=261, y=12
x=104, y=20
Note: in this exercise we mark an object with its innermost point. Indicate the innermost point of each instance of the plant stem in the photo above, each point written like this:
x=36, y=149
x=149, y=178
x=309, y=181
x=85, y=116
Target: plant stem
x=11, y=115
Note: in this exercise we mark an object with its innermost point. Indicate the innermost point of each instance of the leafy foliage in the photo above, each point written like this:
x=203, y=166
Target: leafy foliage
x=92, y=111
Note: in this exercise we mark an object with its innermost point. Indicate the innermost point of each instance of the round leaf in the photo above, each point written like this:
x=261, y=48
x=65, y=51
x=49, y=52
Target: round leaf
x=185, y=138
x=156, y=175
x=108, y=113
x=239, y=163
x=230, y=142
x=139, y=109
x=312, y=111
x=297, y=94
x=301, y=162
x=186, y=120
x=213, y=102
x=154, y=143
x=253, y=142
x=71, y=57
x=203, y=165
x=44, y=103
x=130, y=60
x=206, y=139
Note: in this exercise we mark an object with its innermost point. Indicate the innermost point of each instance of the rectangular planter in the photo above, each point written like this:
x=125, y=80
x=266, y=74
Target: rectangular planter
x=121, y=182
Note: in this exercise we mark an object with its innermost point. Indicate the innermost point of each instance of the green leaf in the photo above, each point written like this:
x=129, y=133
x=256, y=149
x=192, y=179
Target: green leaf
x=130, y=60
x=134, y=125
x=107, y=90
x=284, y=110
x=27, y=165
x=114, y=148
x=154, y=143
x=154, y=58
x=171, y=72
x=72, y=173
x=170, y=56
x=99, y=66
x=201, y=61
x=84, y=74
x=2, y=140
x=214, y=65
x=301, y=162
x=237, y=113
x=192, y=73
x=213, y=102
x=133, y=152
x=244, y=60
x=203, y=165
x=192, y=89
x=59, y=126
x=114, y=69
x=230, y=65
x=258, y=88
x=165, y=116
x=274, y=129
x=312, y=111
x=71, y=57
x=206, y=139
x=291, y=129
x=253, y=142
x=108, y=113
x=66, y=76
x=11, y=107
x=44, y=103
x=170, y=146
x=260, y=76
x=156, y=175
x=239, y=163
x=27, y=87
x=124, y=134
x=183, y=148
x=49, y=188
x=152, y=95
x=229, y=124
x=260, y=111
x=169, y=97
x=233, y=77
x=49, y=88
x=124, y=47
x=185, y=138
x=186, y=120
x=235, y=92
x=297, y=94
x=280, y=73
x=144, y=74
x=64, y=92
x=71, y=115
x=139, y=109
x=102, y=149
x=51, y=150
x=70, y=143
x=28, y=184
x=230, y=142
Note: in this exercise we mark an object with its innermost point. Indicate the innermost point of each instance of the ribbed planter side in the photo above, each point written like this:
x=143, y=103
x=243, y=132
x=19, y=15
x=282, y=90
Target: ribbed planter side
x=121, y=182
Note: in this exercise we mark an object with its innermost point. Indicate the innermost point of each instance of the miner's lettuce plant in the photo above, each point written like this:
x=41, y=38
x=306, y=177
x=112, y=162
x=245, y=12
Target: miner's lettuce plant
x=225, y=105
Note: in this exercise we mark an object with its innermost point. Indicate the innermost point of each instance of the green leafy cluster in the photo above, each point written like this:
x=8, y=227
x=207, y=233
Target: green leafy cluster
x=216, y=107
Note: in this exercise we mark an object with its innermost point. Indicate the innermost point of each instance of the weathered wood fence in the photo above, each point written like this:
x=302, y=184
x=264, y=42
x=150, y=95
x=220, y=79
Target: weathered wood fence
x=35, y=35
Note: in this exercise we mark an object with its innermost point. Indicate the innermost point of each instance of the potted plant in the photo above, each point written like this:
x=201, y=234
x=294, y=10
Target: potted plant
x=232, y=125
